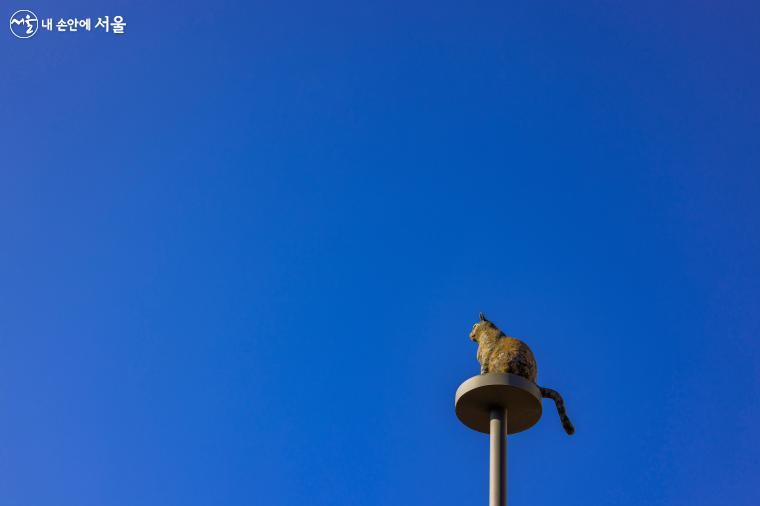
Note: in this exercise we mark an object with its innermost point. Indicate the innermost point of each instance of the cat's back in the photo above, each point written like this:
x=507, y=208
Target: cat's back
x=515, y=357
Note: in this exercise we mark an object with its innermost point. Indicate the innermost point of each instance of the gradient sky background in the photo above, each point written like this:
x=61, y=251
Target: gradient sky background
x=244, y=243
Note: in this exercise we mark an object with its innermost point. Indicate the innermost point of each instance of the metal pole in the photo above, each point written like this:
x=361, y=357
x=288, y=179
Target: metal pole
x=498, y=470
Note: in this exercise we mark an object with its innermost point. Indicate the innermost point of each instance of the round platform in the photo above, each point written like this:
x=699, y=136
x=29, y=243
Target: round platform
x=476, y=397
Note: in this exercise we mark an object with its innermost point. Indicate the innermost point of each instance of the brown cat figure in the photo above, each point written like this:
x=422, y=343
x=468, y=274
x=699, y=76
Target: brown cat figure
x=497, y=352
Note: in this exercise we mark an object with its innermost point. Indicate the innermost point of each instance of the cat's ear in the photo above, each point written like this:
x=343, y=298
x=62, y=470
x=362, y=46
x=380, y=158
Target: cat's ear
x=483, y=317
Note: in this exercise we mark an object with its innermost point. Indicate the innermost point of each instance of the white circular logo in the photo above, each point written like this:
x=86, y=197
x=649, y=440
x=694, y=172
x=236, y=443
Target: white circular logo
x=24, y=24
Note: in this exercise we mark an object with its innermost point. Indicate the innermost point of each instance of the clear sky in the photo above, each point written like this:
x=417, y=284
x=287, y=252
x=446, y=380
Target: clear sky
x=243, y=245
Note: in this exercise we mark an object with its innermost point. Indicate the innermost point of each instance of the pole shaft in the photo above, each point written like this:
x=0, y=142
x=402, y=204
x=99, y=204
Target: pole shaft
x=498, y=470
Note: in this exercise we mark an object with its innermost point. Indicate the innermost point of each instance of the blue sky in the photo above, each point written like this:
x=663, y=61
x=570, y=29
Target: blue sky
x=244, y=243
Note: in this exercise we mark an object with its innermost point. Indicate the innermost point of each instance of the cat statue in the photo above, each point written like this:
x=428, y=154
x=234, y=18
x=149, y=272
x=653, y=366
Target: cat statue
x=497, y=352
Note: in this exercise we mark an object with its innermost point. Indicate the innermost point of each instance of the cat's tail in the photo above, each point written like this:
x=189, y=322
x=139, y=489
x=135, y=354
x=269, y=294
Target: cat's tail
x=554, y=395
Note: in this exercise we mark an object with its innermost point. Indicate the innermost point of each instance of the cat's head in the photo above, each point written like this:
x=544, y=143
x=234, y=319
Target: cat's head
x=483, y=327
